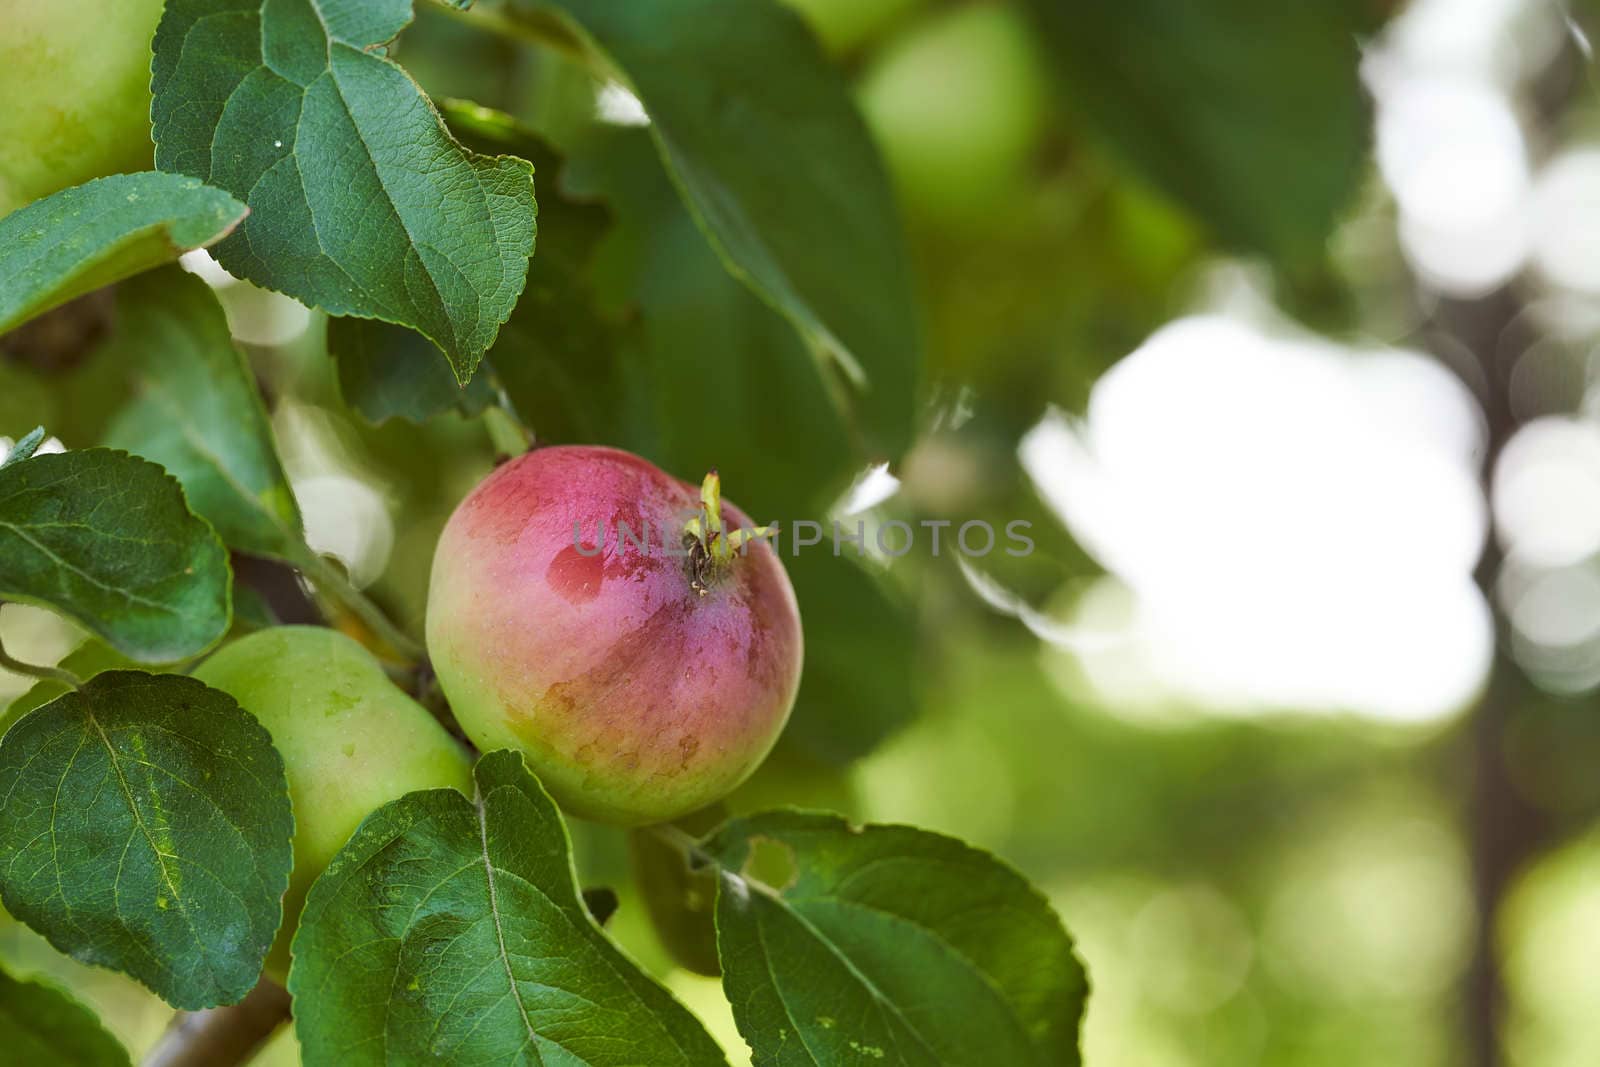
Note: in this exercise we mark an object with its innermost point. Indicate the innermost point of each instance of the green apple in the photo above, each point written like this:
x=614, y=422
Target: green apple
x=843, y=25
x=350, y=740
x=74, y=93
x=958, y=105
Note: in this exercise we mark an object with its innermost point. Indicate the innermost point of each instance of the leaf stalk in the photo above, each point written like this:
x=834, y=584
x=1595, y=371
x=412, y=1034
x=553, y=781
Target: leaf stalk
x=330, y=581
x=35, y=670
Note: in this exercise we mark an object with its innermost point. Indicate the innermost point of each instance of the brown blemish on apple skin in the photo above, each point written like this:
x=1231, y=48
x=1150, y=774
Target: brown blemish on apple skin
x=595, y=689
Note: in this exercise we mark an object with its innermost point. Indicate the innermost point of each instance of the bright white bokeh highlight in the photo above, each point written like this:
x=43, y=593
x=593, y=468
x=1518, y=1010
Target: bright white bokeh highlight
x=32, y=635
x=1450, y=149
x=204, y=266
x=617, y=106
x=1287, y=524
x=1547, y=491
x=871, y=488
x=49, y=446
x=1547, y=517
x=347, y=519
x=1566, y=220
x=255, y=316
x=1496, y=41
x=346, y=513
x=1450, y=144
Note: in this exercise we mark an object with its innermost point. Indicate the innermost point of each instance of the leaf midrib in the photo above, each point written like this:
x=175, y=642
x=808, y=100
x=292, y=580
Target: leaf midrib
x=186, y=429
x=479, y=805
x=127, y=594
x=881, y=999
x=138, y=819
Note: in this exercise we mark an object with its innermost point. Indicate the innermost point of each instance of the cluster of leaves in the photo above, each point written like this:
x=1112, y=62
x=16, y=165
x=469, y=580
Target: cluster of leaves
x=145, y=820
x=146, y=827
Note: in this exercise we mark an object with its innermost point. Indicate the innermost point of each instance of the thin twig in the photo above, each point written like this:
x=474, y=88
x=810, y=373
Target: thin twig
x=223, y=1037
x=535, y=28
x=682, y=841
x=327, y=578
x=34, y=670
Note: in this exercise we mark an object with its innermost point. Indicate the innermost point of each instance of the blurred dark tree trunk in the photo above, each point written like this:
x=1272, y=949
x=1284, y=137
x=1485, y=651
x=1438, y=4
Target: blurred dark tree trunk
x=1504, y=830
x=1505, y=833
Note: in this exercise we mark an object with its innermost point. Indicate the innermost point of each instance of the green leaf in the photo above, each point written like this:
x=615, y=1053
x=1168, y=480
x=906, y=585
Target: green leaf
x=145, y=823
x=707, y=376
x=554, y=353
x=704, y=375
x=1266, y=145
x=679, y=896
x=251, y=611
x=860, y=681
x=557, y=358
x=41, y=1024
x=452, y=930
x=388, y=372
x=103, y=231
x=24, y=448
x=632, y=333
x=889, y=944
x=106, y=539
x=196, y=412
x=366, y=205
x=775, y=164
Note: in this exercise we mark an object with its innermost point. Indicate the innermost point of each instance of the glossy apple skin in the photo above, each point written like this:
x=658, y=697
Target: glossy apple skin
x=350, y=740
x=634, y=698
x=74, y=93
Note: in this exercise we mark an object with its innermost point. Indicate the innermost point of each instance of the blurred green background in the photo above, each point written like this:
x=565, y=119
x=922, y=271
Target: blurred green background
x=1277, y=323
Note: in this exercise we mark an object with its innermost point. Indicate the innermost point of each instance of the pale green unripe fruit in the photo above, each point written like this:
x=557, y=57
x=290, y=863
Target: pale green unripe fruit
x=350, y=740
x=74, y=93
x=842, y=25
x=958, y=104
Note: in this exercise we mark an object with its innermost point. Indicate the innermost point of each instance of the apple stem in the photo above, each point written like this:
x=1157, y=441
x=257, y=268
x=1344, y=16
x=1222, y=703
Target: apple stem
x=690, y=847
x=331, y=582
x=712, y=547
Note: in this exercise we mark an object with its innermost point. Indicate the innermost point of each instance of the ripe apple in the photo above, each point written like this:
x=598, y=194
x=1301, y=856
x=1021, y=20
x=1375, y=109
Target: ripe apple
x=350, y=740
x=643, y=674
